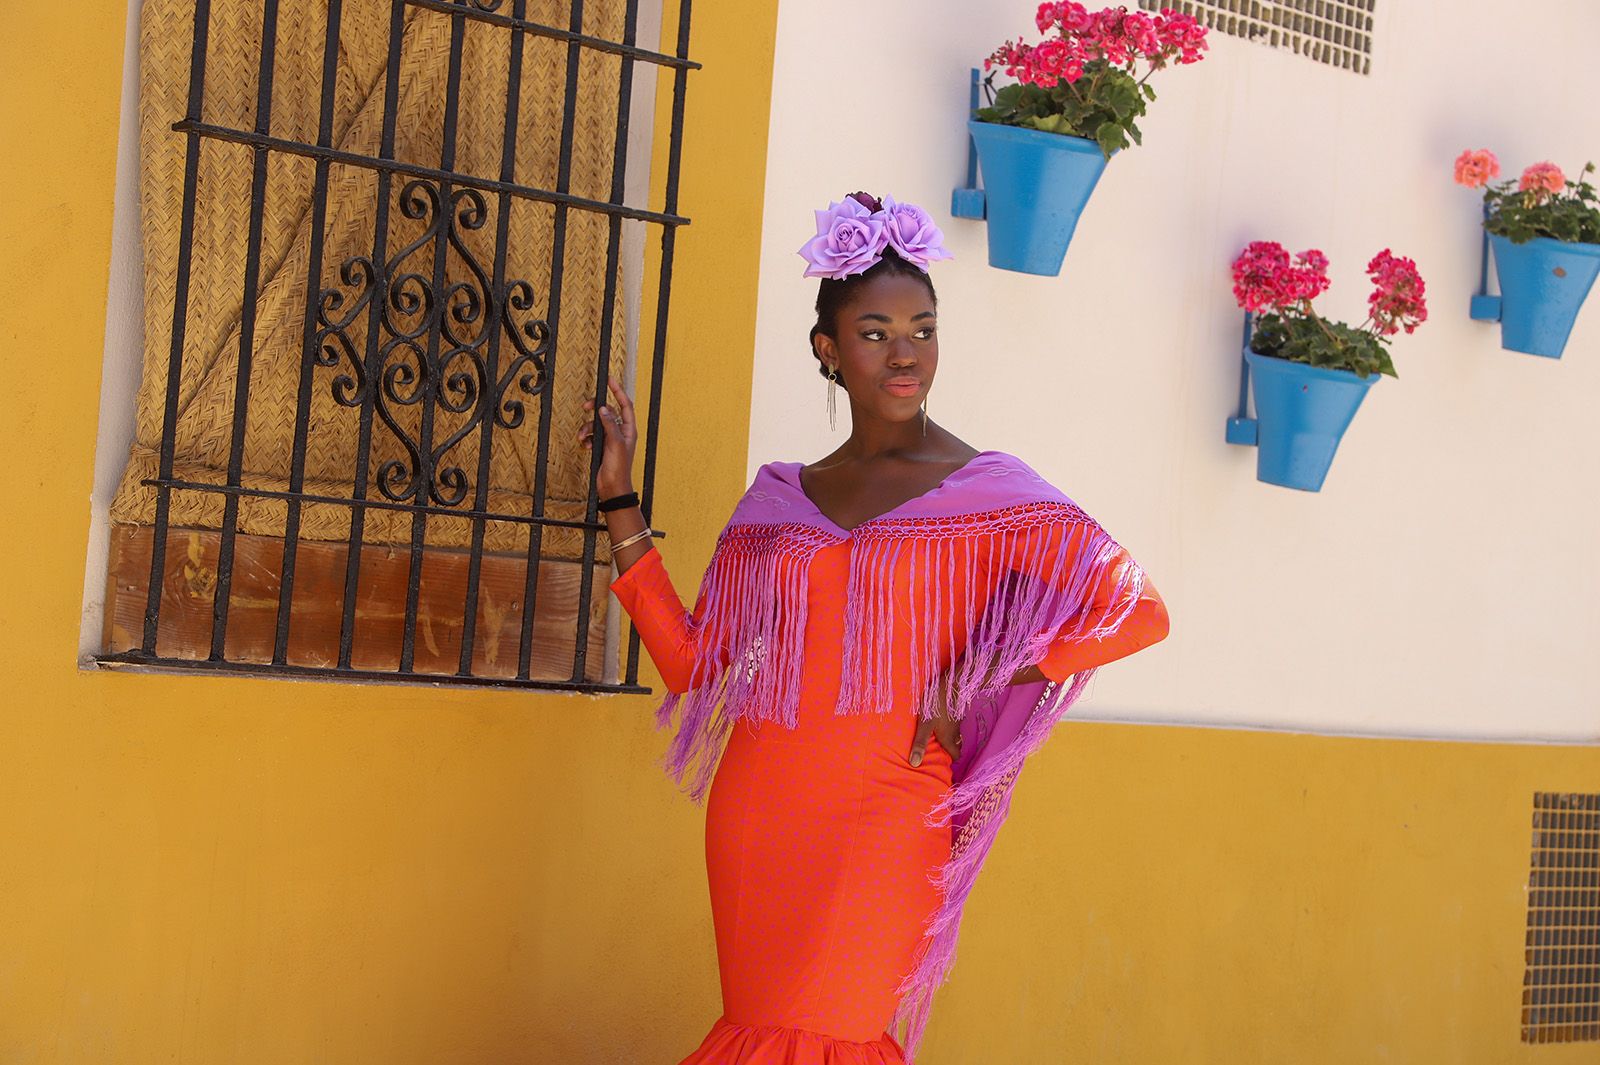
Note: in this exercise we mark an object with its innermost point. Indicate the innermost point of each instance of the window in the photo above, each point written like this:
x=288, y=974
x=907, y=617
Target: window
x=389, y=252
x=1335, y=32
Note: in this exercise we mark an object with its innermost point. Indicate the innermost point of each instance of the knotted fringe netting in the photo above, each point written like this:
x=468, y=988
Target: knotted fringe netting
x=999, y=587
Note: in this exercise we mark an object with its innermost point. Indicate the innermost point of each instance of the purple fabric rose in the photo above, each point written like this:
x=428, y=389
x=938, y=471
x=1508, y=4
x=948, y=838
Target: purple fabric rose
x=849, y=240
x=912, y=234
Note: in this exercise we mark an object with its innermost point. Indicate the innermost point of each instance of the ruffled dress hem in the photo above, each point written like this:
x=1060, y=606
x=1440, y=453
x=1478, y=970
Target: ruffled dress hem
x=749, y=1044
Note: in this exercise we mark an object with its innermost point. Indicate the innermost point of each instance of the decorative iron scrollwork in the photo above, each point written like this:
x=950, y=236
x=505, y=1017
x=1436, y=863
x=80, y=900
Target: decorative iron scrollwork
x=433, y=350
x=332, y=337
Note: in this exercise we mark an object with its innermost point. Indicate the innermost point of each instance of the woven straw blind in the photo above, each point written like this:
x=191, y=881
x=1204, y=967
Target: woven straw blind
x=220, y=237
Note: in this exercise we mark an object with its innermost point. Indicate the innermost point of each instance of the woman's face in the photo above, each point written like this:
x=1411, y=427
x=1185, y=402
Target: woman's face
x=886, y=346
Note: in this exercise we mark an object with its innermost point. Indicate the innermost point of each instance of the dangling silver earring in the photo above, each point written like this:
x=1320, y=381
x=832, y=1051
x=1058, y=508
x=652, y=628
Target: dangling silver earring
x=833, y=378
x=924, y=414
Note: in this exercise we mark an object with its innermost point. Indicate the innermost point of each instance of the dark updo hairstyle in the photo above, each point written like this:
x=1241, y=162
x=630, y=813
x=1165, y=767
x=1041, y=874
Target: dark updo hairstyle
x=834, y=293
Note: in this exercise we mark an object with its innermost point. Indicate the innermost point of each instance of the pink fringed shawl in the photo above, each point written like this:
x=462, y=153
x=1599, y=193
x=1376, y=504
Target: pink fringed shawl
x=994, y=530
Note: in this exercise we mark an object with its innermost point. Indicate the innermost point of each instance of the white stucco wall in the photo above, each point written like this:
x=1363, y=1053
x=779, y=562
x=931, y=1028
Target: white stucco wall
x=1445, y=581
x=122, y=368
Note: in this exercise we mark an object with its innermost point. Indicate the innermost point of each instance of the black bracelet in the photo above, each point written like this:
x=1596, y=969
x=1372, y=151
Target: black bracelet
x=629, y=499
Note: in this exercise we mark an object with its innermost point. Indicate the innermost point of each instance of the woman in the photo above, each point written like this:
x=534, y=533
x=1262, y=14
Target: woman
x=905, y=589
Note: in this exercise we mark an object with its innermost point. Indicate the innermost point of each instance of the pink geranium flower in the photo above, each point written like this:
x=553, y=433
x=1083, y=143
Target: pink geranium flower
x=1015, y=58
x=1087, y=77
x=1054, y=60
x=1181, y=35
x=1072, y=17
x=1281, y=288
x=1266, y=278
x=1475, y=168
x=1255, y=274
x=1397, y=298
x=1543, y=178
x=1076, y=36
x=1308, y=279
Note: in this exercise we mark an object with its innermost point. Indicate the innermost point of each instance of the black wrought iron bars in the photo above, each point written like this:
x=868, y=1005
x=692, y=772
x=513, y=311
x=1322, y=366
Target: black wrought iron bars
x=448, y=335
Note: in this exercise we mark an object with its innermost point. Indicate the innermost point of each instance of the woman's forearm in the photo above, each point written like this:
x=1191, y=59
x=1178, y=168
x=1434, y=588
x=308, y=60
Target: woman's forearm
x=1145, y=624
x=621, y=524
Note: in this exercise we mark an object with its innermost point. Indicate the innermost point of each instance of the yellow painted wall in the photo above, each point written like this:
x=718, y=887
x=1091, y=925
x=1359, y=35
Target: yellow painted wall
x=1196, y=896
x=269, y=872
x=231, y=870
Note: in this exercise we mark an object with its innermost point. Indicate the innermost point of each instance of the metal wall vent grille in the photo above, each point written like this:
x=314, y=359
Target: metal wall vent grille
x=1335, y=32
x=1561, y=988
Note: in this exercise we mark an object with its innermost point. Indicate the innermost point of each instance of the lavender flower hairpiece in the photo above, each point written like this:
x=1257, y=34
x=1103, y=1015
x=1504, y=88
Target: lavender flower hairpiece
x=852, y=235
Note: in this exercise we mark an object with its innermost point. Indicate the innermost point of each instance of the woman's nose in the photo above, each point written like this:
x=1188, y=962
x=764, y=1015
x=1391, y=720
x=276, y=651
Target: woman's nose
x=902, y=352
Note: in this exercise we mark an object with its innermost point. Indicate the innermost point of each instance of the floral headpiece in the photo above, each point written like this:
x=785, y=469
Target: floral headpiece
x=852, y=235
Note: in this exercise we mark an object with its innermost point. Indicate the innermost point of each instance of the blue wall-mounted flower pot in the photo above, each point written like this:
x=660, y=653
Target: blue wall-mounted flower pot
x=1035, y=186
x=1302, y=412
x=1543, y=283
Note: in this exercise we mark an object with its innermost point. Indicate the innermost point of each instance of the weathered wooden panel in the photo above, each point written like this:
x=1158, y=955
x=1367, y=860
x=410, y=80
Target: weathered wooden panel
x=189, y=585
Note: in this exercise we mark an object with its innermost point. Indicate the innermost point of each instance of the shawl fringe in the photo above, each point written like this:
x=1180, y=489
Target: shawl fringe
x=1043, y=569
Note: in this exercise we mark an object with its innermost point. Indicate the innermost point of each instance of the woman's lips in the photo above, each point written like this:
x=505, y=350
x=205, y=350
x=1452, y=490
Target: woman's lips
x=903, y=386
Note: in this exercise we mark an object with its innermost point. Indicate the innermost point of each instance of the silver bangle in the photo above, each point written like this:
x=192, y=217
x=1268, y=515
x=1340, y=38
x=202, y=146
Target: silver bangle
x=640, y=535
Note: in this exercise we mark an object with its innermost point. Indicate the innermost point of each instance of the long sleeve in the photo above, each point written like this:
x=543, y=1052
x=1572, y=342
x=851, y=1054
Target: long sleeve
x=1145, y=624
x=665, y=627
x=1108, y=627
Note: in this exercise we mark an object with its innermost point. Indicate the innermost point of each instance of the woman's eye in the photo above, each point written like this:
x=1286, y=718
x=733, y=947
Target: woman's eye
x=924, y=333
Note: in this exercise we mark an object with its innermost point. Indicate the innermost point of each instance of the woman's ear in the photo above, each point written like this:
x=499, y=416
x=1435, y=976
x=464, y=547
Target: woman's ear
x=823, y=347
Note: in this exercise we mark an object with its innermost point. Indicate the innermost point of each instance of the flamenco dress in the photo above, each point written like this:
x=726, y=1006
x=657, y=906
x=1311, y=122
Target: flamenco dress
x=818, y=851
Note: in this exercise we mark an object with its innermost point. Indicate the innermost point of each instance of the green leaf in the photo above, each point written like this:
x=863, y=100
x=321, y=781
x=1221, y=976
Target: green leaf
x=1122, y=99
x=1332, y=345
x=1052, y=124
x=1110, y=137
x=1008, y=97
x=1571, y=215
